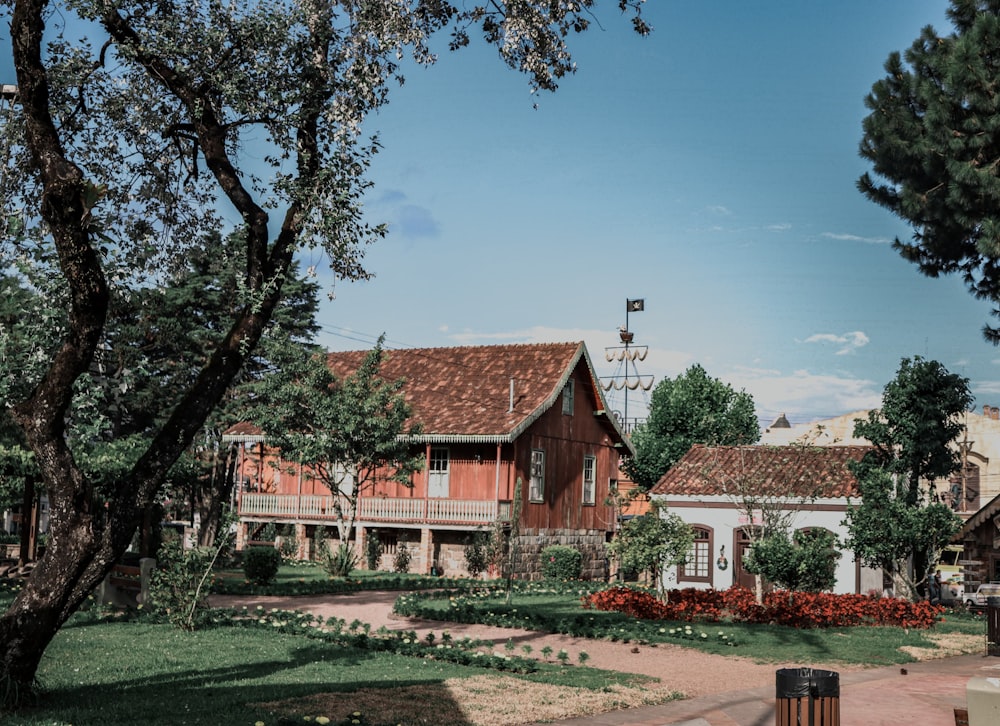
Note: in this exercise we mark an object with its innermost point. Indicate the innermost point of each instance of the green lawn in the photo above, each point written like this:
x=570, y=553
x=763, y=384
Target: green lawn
x=141, y=673
x=558, y=610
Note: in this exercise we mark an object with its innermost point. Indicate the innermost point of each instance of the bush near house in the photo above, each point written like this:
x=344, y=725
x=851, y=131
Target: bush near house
x=561, y=562
x=260, y=564
x=780, y=607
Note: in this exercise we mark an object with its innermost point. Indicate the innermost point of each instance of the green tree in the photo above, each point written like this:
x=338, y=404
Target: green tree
x=690, y=409
x=932, y=139
x=652, y=542
x=121, y=156
x=350, y=434
x=896, y=526
x=807, y=561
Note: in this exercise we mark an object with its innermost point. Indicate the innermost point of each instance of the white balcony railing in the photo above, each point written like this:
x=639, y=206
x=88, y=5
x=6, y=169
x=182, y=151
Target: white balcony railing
x=374, y=509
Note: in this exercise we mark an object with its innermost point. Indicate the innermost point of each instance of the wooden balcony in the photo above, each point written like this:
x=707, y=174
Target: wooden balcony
x=313, y=508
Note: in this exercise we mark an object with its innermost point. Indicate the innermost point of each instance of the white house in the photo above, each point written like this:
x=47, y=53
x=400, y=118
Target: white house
x=724, y=491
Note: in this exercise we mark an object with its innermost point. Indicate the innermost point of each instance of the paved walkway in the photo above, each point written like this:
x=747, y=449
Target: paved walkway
x=921, y=694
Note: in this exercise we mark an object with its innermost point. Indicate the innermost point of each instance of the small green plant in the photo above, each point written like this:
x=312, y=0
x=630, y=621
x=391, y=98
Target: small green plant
x=583, y=656
x=260, y=564
x=269, y=533
x=179, y=586
x=478, y=548
x=289, y=543
x=319, y=543
x=401, y=560
x=563, y=657
x=526, y=649
x=341, y=561
x=509, y=645
x=560, y=562
x=546, y=652
x=373, y=550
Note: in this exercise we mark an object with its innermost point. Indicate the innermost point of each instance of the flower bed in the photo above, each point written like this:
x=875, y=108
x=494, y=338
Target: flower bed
x=794, y=609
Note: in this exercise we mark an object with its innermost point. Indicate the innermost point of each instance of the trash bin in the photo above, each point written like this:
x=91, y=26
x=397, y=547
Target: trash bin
x=806, y=697
x=993, y=626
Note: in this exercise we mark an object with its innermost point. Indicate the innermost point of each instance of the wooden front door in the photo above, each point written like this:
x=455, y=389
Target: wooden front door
x=741, y=547
x=437, y=473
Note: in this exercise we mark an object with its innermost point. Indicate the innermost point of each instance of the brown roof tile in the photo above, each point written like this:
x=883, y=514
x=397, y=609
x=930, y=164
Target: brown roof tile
x=463, y=393
x=776, y=470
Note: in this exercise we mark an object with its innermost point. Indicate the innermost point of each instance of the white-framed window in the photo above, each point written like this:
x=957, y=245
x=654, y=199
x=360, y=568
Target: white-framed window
x=589, y=479
x=536, y=487
x=567, y=398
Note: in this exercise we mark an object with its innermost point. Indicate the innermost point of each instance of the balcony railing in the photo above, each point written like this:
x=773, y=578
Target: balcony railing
x=375, y=509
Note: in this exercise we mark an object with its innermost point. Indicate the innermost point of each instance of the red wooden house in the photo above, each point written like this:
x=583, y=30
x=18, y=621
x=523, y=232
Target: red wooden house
x=491, y=416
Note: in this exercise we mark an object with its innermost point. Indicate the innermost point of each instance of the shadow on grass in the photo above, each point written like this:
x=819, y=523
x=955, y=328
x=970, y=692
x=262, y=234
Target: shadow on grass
x=169, y=691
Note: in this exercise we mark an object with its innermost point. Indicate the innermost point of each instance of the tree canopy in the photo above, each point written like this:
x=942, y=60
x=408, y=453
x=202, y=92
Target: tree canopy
x=651, y=542
x=141, y=126
x=933, y=138
x=350, y=434
x=896, y=519
x=690, y=409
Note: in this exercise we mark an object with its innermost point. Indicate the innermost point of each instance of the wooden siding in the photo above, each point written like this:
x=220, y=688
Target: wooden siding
x=566, y=440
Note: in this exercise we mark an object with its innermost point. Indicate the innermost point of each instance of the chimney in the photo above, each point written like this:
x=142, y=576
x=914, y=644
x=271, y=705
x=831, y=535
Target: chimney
x=511, y=408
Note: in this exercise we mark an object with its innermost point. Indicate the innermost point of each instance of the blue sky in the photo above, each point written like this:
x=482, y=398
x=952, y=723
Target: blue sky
x=709, y=169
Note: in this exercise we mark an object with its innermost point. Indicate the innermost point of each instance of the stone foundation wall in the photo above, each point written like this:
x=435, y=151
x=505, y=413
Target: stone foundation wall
x=590, y=543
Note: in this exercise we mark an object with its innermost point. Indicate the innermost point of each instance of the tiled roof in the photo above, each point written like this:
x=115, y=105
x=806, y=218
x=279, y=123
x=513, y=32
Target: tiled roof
x=796, y=471
x=244, y=431
x=464, y=393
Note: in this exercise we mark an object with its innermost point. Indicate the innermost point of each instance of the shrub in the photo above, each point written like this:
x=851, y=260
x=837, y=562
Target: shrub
x=289, y=543
x=401, y=561
x=477, y=553
x=260, y=564
x=319, y=543
x=781, y=607
x=560, y=562
x=176, y=585
x=373, y=550
x=341, y=561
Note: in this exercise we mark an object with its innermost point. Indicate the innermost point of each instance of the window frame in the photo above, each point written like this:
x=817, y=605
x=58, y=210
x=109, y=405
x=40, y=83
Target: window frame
x=568, y=397
x=536, y=478
x=592, y=500
x=705, y=544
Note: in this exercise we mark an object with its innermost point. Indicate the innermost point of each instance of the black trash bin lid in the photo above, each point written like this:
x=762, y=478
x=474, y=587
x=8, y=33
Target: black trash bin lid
x=806, y=682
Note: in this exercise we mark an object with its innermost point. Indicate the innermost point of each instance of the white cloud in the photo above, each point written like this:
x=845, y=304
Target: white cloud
x=805, y=396
x=781, y=227
x=847, y=342
x=856, y=238
x=719, y=209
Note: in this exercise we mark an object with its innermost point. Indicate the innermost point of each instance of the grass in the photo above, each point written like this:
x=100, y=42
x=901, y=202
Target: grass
x=134, y=672
x=557, y=609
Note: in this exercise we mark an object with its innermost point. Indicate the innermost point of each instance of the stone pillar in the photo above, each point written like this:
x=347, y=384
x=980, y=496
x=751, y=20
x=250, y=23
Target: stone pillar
x=304, y=545
x=361, y=535
x=426, y=550
x=241, y=535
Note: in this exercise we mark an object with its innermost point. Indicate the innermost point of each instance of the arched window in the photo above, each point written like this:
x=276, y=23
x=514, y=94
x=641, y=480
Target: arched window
x=698, y=565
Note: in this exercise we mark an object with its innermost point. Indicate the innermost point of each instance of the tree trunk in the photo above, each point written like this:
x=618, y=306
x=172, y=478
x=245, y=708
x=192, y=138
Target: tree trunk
x=74, y=563
x=29, y=523
x=219, y=492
